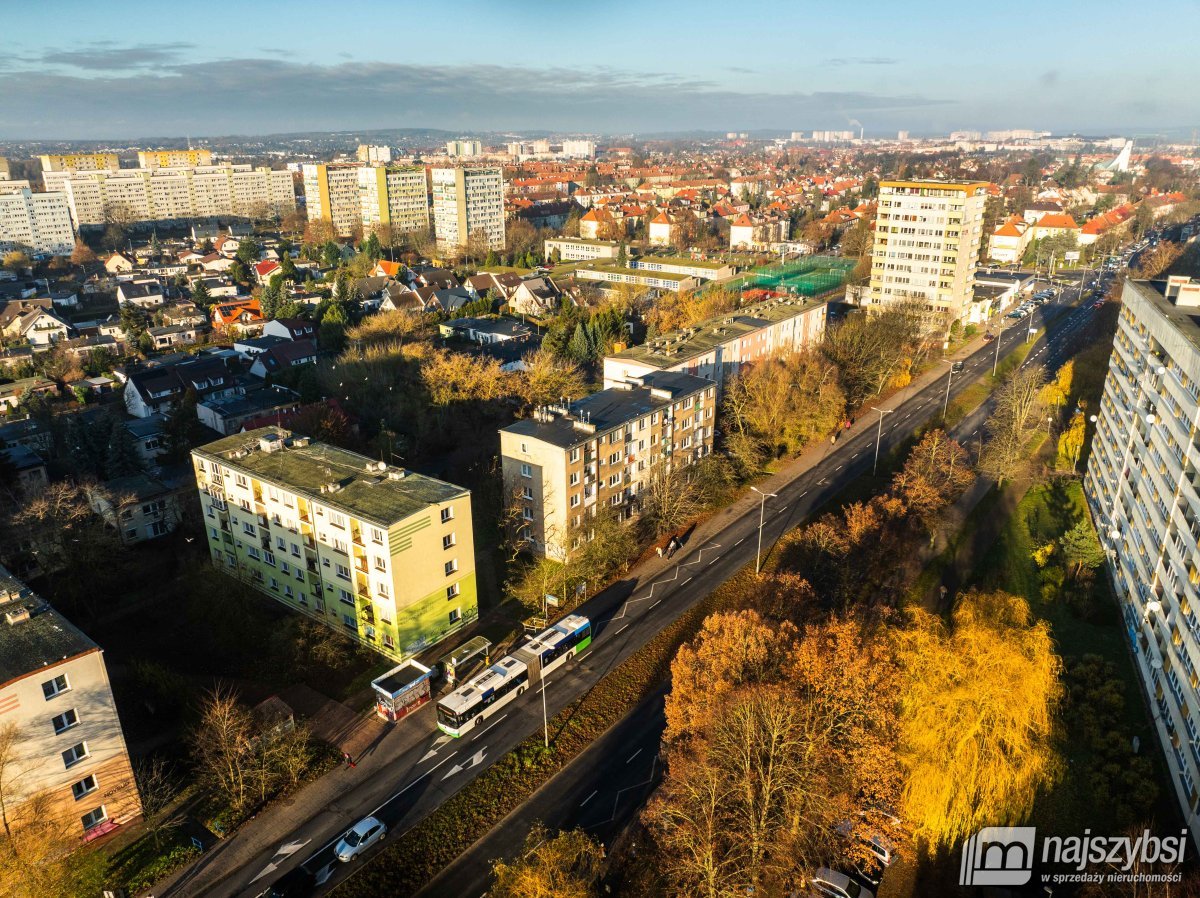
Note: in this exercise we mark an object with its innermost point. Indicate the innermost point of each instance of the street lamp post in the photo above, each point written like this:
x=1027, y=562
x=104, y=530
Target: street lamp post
x=946, y=401
x=999, y=340
x=879, y=436
x=545, y=717
x=762, y=512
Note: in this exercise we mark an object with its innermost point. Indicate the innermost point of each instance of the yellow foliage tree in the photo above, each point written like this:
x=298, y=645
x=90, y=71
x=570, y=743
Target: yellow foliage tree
x=978, y=716
x=564, y=865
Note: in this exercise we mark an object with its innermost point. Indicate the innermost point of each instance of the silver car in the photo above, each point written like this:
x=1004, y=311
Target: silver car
x=826, y=883
x=359, y=838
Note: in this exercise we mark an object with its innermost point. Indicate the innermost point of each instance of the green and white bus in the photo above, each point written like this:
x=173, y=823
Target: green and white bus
x=552, y=648
x=482, y=695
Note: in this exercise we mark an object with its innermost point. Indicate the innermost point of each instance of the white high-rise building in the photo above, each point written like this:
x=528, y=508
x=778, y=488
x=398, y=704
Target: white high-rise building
x=34, y=222
x=464, y=148
x=926, y=244
x=374, y=155
x=579, y=149
x=1143, y=491
x=466, y=202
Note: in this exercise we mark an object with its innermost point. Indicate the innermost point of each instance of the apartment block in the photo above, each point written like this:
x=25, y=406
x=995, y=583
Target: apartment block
x=580, y=149
x=70, y=763
x=1143, y=490
x=467, y=202
x=373, y=155
x=380, y=553
x=35, y=222
x=174, y=158
x=80, y=162
x=396, y=196
x=465, y=148
x=165, y=195
x=331, y=194
x=927, y=238
x=715, y=349
x=566, y=462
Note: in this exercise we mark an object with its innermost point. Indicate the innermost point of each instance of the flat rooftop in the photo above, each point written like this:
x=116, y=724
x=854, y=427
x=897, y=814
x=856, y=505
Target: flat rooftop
x=608, y=409
x=384, y=497
x=682, y=262
x=634, y=272
x=680, y=346
x=40, y=642
x=1185, y=319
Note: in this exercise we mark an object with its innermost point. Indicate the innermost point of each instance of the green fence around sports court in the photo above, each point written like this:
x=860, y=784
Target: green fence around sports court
x=805, y=277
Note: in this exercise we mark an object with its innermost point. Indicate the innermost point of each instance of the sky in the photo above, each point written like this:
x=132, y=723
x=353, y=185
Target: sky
x=123, y=69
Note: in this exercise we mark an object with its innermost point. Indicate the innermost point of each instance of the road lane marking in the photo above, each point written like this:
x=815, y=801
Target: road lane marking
x=659, y=602
x=489, y=726
x=634, y=755
x=622, y=630
x=686, y=582
x=803, y=494
x=589, y=798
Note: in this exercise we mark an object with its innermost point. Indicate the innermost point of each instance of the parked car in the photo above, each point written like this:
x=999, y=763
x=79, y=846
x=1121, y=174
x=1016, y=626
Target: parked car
x=956, y=368
x=827, y=883
x=359, y=838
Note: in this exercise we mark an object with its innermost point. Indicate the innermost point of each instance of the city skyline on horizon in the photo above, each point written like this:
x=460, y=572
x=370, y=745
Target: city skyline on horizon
x=676, y=68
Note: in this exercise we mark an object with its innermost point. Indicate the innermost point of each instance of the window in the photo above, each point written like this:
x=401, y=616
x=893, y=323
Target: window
x=455, y=616
x=451, y=566
x=574, y=478
x=380, y=564
x=53, y=687
x=384, y=590
x=296, y=550
x=448, y=541
x=343, y=571
x=524, y=448
x=345, y=596
x=526, y=470
x=526, y=514
x=336, y=519
x=348, y=622
x=281, y=543
x=269, y=557
x=64, y=721
x=574, y=500
x=94, y=818
x=74, y=755
x=575, y=454
x=452, y=590
x=447, y=515
x=377, y=536
x=83, y=787
x=248, y=528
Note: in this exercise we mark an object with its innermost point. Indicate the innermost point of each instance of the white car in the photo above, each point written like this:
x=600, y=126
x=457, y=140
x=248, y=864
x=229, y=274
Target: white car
x=359, y=838
x=826, y=883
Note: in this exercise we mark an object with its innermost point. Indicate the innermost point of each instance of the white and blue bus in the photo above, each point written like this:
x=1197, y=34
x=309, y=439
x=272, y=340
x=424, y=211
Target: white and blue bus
x=551, y=648
x=482, y=695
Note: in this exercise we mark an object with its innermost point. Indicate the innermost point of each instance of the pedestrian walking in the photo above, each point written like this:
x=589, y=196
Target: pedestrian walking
x=349, y=760
x=833, y=439
x=658, y=549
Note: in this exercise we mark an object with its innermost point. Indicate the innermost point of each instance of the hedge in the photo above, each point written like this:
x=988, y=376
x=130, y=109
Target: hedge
x=402, y=868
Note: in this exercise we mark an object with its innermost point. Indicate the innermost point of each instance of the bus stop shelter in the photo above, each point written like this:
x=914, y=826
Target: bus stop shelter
x=401, y=690
x=462, y=656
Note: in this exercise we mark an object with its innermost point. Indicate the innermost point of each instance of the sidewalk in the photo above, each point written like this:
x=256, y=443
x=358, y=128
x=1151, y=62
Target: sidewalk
x=378, y=747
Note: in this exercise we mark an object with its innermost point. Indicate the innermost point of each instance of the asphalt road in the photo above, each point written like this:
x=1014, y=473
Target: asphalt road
x=625, y=617
x=602, y=788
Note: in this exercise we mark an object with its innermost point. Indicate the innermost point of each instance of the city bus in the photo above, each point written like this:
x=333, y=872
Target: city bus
x=551, y=648
x=481, y=696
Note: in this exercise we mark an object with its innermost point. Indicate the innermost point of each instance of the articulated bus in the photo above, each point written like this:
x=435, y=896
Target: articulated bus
x=481, y=696
x=552, y=648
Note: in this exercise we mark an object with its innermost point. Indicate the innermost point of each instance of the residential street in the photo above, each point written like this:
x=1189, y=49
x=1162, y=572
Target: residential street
x=414, y=768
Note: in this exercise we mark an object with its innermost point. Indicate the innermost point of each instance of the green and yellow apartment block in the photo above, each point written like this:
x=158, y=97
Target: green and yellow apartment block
x=382, y=554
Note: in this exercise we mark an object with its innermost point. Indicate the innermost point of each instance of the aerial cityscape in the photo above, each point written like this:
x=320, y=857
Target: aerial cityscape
x=538, y=451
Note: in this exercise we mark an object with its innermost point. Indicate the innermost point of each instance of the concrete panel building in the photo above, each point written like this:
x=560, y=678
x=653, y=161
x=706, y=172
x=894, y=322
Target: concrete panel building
x=566, y=462
x=35, y=222
x=395, y=196
x=382, y=554
x=717, y=348
x=1143, y=491
x=331, y=193
x=79, y=162
x=71, y=764
x=468, y=202
x=927, y=238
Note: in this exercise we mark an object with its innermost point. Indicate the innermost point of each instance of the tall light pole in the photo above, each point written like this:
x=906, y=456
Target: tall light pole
x=762, y=512
x=545, y=718
x=999, y=340
x=879, y=435
x=946, y=401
